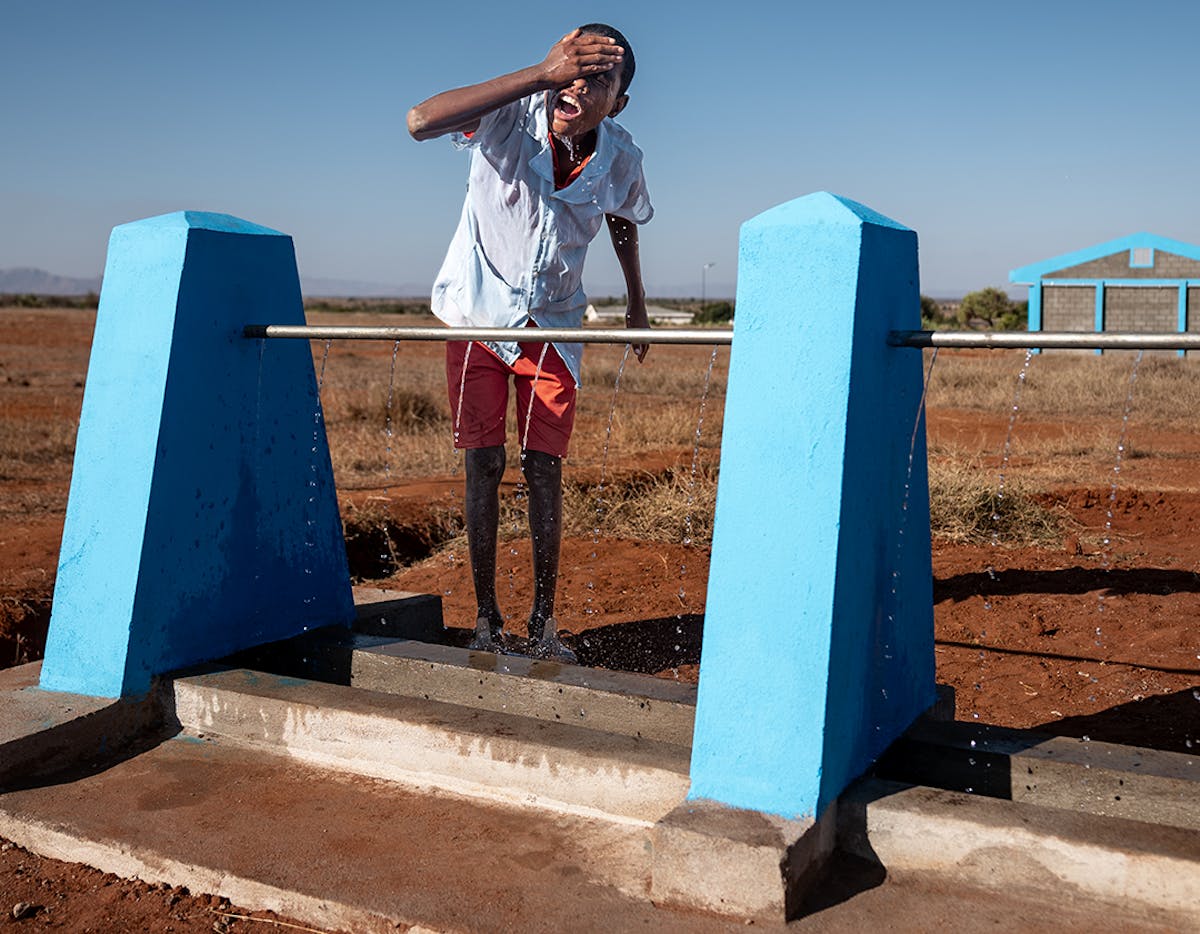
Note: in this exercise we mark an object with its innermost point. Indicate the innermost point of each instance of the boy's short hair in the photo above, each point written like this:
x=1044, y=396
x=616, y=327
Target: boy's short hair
x=627, y=63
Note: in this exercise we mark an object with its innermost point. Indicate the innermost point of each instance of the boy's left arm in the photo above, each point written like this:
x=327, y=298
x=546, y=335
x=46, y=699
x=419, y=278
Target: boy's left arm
x=624, y=236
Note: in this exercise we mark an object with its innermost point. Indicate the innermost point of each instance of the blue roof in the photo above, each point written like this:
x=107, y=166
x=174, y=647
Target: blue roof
x=1035, y=271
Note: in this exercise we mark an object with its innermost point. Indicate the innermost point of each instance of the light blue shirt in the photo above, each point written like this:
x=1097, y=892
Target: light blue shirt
x=519, y=248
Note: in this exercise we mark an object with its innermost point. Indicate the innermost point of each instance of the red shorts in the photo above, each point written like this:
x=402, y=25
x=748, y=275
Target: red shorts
x=479, y=402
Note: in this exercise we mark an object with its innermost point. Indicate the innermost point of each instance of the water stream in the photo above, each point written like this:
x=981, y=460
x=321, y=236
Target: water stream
x=904, y=500
x=1106, y=553
x=589, y=609
x=451, y=555
x=1004, y=459
x=521, y=490
x=462, y=389
x=390, y=555
x=262, y=347
x=691, y=495
x=310, y=519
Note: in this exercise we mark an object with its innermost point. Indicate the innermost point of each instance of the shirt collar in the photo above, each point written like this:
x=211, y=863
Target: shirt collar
x=542, y=162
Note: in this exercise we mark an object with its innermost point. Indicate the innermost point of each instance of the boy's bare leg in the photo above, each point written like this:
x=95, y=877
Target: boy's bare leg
x=485, y=469
x=543, y=473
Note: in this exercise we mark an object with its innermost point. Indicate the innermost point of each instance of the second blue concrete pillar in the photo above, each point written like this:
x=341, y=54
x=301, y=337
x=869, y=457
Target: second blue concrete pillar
x=818, y=637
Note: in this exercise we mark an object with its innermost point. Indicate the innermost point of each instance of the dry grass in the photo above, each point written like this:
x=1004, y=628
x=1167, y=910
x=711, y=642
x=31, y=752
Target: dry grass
x=1072, y=412
x=967, y=505
x=28, y=445
x=391, y=419
x=1071, y=385
x=673, y=506
x=1079, y=399
x=388, y=419
x=669, y=507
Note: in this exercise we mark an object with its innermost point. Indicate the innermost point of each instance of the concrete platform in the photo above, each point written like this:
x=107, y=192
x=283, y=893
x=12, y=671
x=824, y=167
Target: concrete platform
x=41, y=732
x=346, y=853
x=467, y=766
x=1108, y=780
x=636, y=705
x=1038, y=851
x=496, y=756
x=337, y=850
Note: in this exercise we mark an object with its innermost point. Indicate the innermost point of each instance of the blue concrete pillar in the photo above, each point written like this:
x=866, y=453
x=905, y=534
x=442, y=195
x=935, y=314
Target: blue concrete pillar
x=1035, y=309
x=818, y=632
x=202, y=516
x=1181, y=315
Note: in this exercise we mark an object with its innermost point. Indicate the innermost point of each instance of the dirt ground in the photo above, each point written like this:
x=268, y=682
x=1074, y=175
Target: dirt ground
x=47, y=894
x=1088, y=639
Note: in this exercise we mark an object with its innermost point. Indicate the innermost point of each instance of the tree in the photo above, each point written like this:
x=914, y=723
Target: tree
x=994, y=308
x=714, y=313
x=931, y=313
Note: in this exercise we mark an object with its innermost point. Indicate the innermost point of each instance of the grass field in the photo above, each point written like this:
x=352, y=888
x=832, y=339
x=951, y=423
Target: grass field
x=1050, y=563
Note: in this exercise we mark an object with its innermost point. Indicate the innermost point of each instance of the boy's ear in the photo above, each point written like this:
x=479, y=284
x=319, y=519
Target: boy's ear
x=619, y=105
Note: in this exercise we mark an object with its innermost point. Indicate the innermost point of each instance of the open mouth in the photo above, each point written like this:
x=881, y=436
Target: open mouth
x=567, y=106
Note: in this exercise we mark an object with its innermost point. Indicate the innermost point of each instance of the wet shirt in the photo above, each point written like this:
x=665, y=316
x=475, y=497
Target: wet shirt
x=519, y=248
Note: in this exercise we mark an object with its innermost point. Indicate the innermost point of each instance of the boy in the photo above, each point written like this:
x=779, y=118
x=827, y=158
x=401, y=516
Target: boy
x=548, y=166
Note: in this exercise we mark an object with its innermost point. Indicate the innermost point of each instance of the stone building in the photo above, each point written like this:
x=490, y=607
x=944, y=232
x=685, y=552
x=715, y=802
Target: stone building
x=1141, y=283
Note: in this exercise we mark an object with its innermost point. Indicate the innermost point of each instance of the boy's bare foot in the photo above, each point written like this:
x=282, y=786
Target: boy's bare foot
x=545, y=644
x=489, y=635
x=553, y=650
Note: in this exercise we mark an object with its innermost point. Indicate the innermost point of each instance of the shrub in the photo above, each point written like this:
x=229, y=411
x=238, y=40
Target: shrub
x=994, y=308
x=714, y=313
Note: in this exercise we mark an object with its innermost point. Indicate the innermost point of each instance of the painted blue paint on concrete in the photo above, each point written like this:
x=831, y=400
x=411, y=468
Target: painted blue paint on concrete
x=1035, y=271
x=1098, y=313
x=811, y=664
x=202, y=516
x=1148, y=264
x=1110, y=282
x=1035, y=310
x=1181, y=315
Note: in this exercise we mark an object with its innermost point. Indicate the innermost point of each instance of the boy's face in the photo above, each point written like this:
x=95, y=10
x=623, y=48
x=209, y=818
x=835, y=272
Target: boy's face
x=581, y=106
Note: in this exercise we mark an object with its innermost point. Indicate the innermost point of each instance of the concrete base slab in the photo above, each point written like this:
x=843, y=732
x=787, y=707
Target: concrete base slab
x=398, y=614
x=1108, y=780
x=1042, y=851
x=44, y=731
x=477, y=752
x=636, y=705
x=739, y=863
x=253, y=815
x=339, y=851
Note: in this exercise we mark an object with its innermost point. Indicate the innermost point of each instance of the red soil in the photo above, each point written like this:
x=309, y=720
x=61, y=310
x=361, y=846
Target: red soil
x=1082, y=640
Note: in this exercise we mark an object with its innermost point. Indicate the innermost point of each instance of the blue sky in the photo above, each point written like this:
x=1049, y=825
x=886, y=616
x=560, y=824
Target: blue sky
x=1002, y=133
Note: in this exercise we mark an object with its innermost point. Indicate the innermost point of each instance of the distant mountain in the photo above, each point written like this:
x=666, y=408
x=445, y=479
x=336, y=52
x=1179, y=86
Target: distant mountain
x=26, y=281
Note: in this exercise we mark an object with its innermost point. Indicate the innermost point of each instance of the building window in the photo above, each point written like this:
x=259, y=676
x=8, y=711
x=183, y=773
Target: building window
x=1141, y=257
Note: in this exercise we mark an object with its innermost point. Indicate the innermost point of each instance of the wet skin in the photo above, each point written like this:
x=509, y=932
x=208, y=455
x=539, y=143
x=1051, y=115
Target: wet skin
x=581, y=77
x=543, y=473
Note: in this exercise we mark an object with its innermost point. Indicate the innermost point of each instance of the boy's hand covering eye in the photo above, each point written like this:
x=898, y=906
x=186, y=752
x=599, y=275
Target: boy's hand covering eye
x=578, y=54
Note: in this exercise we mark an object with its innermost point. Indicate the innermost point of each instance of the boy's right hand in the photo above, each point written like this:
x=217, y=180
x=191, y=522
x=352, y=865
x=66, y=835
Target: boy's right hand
x=577, y=54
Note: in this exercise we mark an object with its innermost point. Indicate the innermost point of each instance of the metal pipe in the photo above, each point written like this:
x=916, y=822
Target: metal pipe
x=1076, y=340
x=523, y=335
